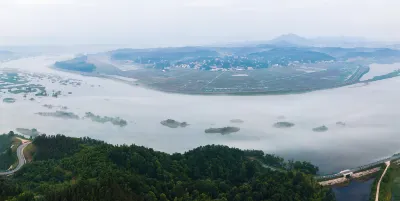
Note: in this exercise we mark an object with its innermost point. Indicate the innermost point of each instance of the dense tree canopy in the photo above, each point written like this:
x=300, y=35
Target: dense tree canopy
x=7, y=156
x=84, y=169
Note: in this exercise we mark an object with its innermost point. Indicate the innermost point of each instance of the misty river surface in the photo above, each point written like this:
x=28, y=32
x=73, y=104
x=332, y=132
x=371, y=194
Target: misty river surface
x=370, y=112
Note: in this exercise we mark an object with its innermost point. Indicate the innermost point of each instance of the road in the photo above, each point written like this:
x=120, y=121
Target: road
x=379, y=183
x=21, y=159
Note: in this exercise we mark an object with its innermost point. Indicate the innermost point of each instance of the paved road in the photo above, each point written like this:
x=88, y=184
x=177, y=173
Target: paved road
x=21, y=160
x=379, y=183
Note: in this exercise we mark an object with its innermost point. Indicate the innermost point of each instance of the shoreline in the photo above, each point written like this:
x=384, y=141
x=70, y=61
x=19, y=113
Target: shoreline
x=138, y=83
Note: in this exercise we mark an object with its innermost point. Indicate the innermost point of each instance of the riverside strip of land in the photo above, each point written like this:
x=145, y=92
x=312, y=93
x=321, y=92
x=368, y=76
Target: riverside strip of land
x=380, y=180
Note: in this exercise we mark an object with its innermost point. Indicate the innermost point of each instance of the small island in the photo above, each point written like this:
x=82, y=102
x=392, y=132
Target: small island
x=48, y=106
x=173, y=124
x=237, y=121
x=283, y=124
x=320, y=129
x=53, y=106
x=59, y=114
x=223, y=131
x=9, y=100
x=339, y=123
x=29, y=132
x=115, y=121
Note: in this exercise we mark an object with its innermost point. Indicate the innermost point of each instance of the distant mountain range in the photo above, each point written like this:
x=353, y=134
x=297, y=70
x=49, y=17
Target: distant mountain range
x=285, y=50
x=341, y=41
x=290, y=40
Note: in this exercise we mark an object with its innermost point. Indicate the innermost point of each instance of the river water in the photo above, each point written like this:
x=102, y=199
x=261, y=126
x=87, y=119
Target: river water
x=355, y=191
x=370, y=113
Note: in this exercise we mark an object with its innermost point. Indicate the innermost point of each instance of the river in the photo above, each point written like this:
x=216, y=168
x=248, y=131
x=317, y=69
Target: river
x=370, y=113
x=355, y=191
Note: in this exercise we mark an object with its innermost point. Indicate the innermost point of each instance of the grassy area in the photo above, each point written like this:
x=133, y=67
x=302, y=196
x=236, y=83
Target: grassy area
x=29, y=151
x=374, y=185
x=390, y=185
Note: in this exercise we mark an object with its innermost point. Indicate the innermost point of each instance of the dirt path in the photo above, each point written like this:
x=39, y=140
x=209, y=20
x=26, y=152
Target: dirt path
x=379, y=183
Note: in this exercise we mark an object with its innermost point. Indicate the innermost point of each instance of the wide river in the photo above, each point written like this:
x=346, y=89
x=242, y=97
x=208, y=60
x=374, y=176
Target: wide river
x=371, y=114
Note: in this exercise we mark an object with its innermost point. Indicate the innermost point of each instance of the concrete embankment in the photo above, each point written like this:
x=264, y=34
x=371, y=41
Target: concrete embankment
x=343, y=179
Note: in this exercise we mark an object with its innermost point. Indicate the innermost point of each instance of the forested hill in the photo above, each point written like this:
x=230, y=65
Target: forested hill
x=84, y=169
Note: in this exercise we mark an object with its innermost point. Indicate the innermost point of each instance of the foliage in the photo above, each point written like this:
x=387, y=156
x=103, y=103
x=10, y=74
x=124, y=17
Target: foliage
x=7, y=189
x=76, y=64
x=84, y=169
x=7, y=156
x=389, y=185
x=374, y=185
x=6, y=141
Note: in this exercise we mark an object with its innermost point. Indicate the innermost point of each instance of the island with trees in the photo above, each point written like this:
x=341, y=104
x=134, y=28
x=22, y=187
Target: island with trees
x=114, y=120
x=283, y=124
x=75, y=169
x=173, y=124
x=320, y=129
x=237, y=121
x=59, y=114
x=28, y=132
x=9, y=100
x=223, y=131
x=79, y=63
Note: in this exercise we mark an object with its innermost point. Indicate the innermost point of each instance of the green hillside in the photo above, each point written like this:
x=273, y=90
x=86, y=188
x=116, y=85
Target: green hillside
x=84, y=169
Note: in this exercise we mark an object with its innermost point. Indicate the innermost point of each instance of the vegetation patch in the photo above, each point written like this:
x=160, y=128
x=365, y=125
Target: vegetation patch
x=283, y=124
x=59, y=114
x=223, y=131
x=114, y=120
x=173, y=124
x=8, y=148
x=320, y=129
x=73, y=169
x=29, y=152
x=9, y=100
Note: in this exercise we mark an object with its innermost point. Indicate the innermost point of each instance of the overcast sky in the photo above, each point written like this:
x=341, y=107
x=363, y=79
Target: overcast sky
x=149, y=23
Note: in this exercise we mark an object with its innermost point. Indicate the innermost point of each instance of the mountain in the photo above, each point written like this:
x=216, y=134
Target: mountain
x=290, y=40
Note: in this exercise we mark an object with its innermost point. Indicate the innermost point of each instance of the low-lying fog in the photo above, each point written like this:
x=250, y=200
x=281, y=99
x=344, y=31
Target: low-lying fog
x=370, y=112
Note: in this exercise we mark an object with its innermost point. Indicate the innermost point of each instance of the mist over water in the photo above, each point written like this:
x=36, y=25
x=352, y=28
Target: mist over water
x=370, y=113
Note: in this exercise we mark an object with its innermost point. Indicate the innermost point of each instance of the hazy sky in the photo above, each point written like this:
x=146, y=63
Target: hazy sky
x=183, y=22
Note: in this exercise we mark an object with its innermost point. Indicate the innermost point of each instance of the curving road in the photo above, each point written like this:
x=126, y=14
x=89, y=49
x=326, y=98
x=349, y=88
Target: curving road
x=21, y=159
